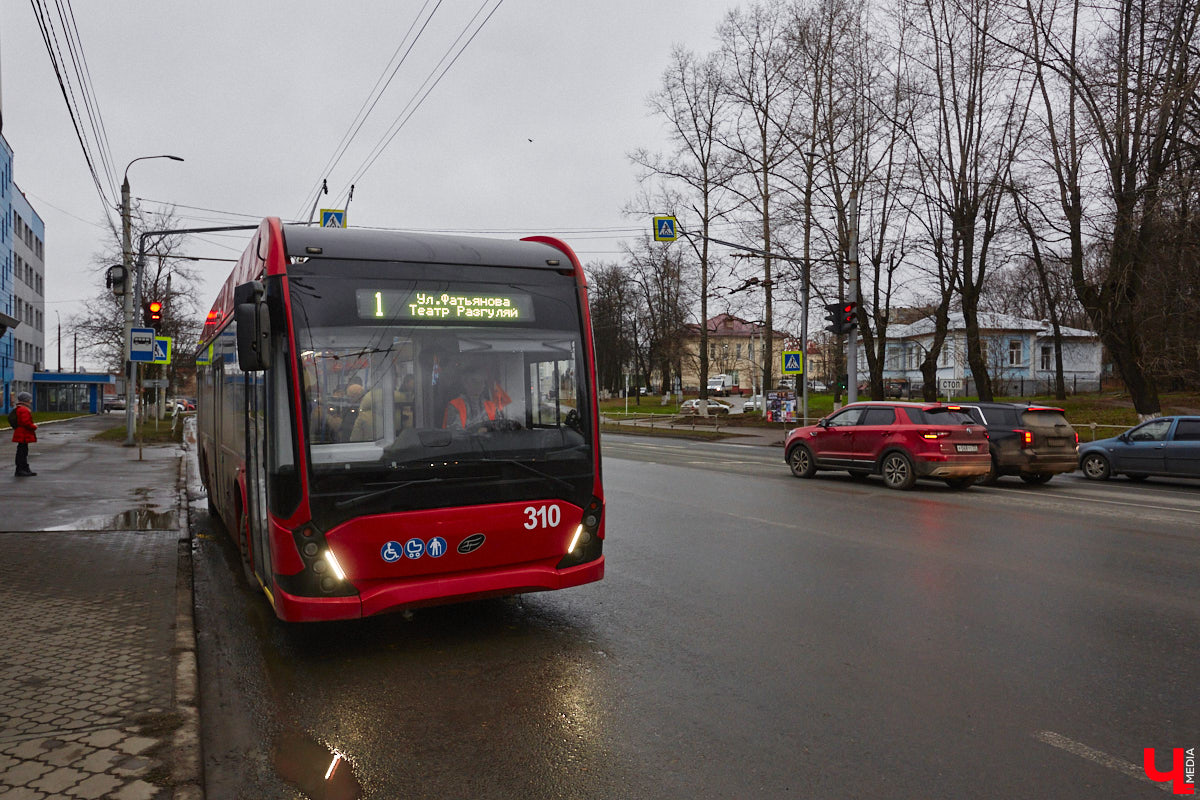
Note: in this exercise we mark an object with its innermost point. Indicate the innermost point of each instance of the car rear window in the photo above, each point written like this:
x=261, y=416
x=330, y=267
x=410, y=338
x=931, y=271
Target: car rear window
x=938, y=416
x=1044, y=418
x=1003, y=417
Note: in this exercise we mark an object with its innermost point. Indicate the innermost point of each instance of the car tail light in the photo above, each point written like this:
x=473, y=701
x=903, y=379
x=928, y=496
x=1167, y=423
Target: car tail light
x=934, y=434
x=1026, y=438
x=1076, y=437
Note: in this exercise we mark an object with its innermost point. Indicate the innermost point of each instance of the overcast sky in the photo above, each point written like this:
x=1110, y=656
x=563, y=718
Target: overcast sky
x=527, y=133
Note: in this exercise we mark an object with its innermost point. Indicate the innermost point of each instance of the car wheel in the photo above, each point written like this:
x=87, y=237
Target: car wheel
x=1095, y=467
x=992, y=475
x=1137, y=477
x=1036, y=478
x=898, y=471
x=958, y=484
x=801, y=461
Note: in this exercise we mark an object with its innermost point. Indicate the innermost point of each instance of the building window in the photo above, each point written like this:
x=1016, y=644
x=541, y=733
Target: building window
x=1047, y=357
x=1014, y=352
x=739, y=350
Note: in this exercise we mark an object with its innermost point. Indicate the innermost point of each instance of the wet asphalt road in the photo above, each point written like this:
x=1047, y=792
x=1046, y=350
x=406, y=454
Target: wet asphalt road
x=755, y=636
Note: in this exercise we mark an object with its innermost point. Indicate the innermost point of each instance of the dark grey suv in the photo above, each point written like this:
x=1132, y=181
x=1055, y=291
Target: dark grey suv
x=1034, y=442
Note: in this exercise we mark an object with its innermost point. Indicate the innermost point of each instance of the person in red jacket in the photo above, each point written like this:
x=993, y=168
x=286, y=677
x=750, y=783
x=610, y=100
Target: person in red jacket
x=24, y=432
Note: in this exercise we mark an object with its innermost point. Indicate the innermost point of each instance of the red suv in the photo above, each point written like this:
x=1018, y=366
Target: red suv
x=900, y=441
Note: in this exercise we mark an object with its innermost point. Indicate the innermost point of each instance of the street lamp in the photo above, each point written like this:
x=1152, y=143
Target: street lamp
x=127, y=261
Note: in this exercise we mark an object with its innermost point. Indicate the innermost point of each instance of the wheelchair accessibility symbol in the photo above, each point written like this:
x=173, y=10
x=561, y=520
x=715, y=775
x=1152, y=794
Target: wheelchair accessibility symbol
x=391, y=552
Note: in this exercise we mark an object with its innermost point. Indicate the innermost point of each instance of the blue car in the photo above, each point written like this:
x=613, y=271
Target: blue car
x=1168, y=446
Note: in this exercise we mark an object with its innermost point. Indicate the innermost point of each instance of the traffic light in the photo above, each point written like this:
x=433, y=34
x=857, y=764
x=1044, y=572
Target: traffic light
x=154, y=311
x=842, y=317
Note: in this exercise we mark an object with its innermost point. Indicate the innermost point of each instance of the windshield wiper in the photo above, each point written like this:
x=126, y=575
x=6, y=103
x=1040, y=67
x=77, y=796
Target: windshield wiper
x=361, y=498
x=528, y=468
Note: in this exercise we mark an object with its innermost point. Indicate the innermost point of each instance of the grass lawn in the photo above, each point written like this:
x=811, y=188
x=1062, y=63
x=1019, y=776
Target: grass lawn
x=1102, y=408
x=146, y=432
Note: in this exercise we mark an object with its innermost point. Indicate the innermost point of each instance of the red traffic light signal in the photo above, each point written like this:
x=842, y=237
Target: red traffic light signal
x=152, y=314
x=842, y=317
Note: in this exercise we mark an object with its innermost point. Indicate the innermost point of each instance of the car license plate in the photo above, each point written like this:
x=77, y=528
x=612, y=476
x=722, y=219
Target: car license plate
x=1056, y=442
x=968, y=448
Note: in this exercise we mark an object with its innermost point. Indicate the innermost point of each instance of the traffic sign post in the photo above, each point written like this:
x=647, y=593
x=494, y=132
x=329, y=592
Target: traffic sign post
x=950, y=386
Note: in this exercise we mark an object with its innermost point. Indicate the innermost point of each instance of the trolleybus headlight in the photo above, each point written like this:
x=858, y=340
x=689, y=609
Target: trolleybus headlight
x=575, y=539
x=334, y=565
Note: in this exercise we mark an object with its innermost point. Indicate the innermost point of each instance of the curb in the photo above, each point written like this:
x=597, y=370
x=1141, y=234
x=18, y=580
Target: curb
x=187, y=761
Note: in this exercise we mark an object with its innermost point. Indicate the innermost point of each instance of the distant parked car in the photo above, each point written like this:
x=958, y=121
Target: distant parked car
x=900, y=441
x=714, y=407
x=755, y=403
x=114, y=403
x=1034, y=442
x=1167, y=446
x=817, y=386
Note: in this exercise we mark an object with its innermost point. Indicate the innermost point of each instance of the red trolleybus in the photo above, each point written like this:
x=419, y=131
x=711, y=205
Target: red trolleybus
x=389, y=420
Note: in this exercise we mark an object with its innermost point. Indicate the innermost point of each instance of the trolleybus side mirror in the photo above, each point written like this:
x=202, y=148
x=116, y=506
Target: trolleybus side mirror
x=253, y=327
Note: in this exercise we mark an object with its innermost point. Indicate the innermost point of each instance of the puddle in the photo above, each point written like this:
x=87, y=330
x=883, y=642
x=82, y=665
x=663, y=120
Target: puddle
x=141, y=519
x=314, y=769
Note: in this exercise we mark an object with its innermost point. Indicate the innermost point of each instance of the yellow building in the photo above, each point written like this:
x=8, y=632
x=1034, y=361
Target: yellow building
x=735, y=348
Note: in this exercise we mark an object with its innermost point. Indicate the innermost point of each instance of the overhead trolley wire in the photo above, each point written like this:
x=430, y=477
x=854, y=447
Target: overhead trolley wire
x=369, y=103
x=407, y=112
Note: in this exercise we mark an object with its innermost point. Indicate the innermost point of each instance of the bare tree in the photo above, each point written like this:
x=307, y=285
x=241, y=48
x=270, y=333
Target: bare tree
x=981, y=102
x=1137, y=86
x=759, y=60
x=693, y=103
x=169, y=277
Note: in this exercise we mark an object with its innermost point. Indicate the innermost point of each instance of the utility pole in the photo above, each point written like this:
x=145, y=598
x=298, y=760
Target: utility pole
x=852, y=290
x=127, y=262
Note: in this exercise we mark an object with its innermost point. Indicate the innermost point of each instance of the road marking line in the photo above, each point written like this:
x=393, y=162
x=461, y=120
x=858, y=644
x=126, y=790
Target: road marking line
x=1103, y=759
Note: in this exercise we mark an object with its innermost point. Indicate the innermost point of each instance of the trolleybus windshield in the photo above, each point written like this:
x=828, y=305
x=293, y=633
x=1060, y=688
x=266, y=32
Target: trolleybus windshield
x=413, y=380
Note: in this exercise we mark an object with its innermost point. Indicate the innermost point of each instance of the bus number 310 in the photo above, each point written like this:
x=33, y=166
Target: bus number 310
x=542, y=517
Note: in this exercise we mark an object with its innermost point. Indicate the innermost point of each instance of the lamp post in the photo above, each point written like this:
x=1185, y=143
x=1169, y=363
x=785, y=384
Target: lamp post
x=127, y=261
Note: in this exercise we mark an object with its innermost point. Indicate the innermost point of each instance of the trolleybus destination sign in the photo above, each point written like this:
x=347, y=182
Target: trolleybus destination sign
x=444, y=306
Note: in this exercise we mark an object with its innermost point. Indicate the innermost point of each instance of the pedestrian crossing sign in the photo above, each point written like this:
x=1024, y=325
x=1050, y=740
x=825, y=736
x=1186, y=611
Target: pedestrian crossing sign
x=666, y=229
x=333, y=217
x=162, y=350
x=793, y=362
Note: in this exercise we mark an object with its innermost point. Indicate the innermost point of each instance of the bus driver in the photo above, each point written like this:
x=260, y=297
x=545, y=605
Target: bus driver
x=478, y=404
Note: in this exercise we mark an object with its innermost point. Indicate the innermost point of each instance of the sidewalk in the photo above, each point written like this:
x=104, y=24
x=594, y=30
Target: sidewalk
x=97, y=649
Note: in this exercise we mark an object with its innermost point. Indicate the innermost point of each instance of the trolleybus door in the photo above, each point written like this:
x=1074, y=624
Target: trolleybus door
x=256, y=476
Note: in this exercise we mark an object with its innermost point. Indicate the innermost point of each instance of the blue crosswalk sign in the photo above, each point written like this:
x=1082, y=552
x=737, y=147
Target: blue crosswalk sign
x=162, y=350
x=666, y=229
x=333, y=217
x=793, y=362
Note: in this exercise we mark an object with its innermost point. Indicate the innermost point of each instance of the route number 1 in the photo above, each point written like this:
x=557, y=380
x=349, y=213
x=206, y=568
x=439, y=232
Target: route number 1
x=542, y=517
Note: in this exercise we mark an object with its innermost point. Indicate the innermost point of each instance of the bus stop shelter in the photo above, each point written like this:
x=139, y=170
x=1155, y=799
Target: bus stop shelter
x=70, y=391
